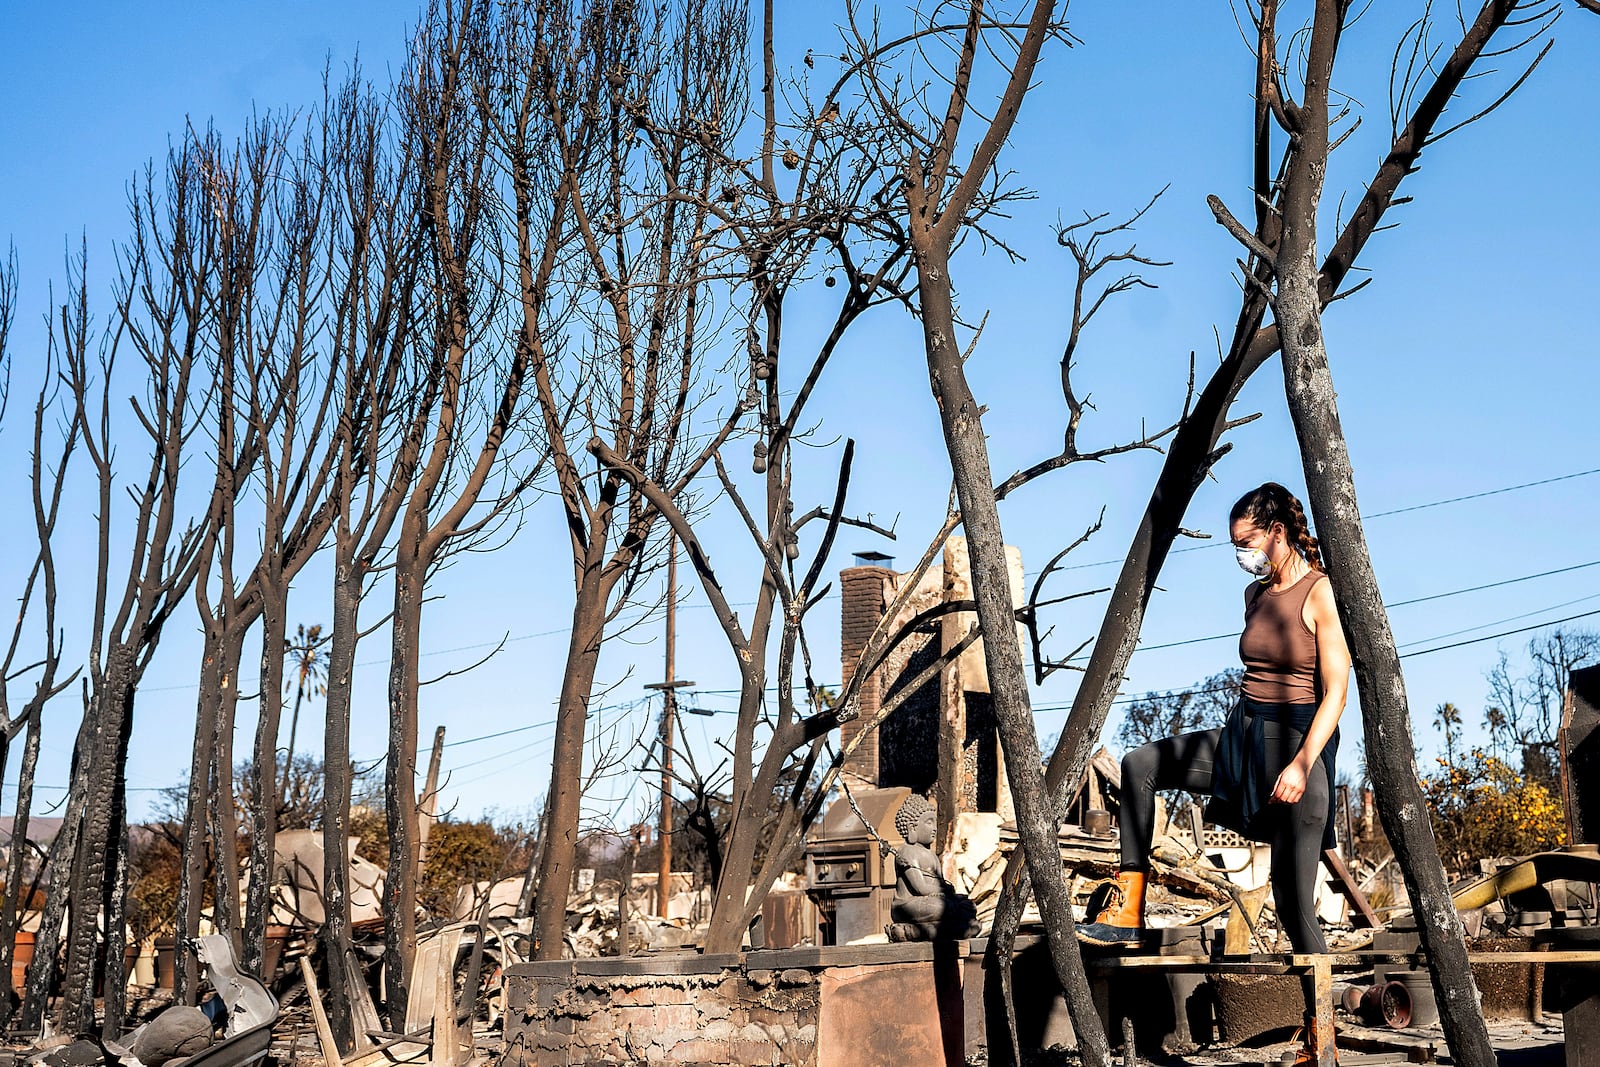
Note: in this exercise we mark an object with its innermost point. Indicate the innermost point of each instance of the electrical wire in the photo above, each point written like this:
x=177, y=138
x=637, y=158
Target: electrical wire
x=1407, y=603
x=1374, y=515
x=1077, y=566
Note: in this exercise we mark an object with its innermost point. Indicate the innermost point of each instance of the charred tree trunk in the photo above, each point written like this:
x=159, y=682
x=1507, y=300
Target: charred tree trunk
x=114, y=975
x=195, y=870
x=400, y=782
x=63, y=850
x=225, y=815
x=1330, y=483
x=336, y=947
x=265, y=785
x=97, y=843
x=16, y=863
x=961, y=421
x=558, y=852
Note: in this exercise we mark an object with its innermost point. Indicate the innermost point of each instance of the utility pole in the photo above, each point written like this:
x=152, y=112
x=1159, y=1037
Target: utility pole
x=429, y=808
x=669, y=712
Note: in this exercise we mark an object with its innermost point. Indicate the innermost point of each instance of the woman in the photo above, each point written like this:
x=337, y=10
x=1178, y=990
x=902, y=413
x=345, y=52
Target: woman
x=1270, y=768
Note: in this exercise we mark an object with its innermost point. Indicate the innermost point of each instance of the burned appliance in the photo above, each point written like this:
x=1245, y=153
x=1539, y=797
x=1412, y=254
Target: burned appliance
x=850, y=874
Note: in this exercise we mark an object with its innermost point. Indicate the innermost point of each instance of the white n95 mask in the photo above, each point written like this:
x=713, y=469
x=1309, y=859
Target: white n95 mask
x=1254, y=561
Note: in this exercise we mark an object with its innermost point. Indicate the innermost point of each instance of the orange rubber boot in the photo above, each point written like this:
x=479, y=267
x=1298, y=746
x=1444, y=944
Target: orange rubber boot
x=1121, y=921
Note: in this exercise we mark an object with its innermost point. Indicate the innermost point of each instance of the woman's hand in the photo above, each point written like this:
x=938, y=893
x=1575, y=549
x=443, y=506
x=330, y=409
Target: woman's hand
x=1291, y=785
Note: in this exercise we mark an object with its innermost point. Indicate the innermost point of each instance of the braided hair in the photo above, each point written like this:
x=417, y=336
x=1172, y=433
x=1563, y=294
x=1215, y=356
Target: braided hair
x=1269, y=503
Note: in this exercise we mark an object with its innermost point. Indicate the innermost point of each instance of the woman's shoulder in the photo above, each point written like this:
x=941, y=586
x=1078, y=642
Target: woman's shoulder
x=1319, y=597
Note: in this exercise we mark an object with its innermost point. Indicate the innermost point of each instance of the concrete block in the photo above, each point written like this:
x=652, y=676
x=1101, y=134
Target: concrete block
x=854, y=1027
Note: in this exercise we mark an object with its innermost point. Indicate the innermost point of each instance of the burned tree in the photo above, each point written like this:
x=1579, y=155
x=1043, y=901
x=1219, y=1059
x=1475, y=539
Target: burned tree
x=1292, y=266
x=47, y=478
x=293, y=391
x=374, y=277
x=274, y=398
x=470, y=439
x=608, y=302
x=1196, y=446
x=161, y=313
x=938, y=194
x=802, y=202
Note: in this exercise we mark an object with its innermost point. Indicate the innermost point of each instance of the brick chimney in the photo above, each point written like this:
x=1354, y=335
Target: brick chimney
x=863, y=591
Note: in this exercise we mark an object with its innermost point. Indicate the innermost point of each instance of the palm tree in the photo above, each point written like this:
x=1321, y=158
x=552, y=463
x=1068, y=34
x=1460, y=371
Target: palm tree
x=310, y=666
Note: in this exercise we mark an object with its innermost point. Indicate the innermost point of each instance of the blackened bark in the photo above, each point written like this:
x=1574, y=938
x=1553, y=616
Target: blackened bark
x=336, y=948
x=265, y=786
x=114, y=980
x=97, y=843
x=59, y=866
x=1330, y=483
x=961, y=420
x=16, y=863
x=194, y=870
x=400, y=783
x=558, y=852
x=225, y=816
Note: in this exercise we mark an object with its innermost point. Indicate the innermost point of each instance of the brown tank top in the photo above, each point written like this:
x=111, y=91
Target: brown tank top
x=1278, y=649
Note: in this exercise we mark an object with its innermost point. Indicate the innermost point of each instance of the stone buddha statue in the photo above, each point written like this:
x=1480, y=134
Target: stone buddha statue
x=926, y=907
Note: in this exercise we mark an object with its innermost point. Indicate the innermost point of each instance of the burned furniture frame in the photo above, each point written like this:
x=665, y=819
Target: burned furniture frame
x=252, y=1009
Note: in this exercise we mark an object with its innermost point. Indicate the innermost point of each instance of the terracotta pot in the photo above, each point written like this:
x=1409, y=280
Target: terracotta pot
x=166, y=962
x=1388, y=1003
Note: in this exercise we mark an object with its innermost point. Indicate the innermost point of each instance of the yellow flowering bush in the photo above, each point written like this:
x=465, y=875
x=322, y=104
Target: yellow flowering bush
x=1481, y=807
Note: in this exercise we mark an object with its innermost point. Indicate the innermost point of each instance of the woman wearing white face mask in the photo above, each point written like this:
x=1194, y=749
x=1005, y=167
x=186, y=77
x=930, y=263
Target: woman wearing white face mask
x=1270, y=769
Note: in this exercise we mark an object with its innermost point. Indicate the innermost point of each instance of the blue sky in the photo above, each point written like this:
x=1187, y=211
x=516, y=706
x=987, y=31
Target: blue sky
x=1468, y=365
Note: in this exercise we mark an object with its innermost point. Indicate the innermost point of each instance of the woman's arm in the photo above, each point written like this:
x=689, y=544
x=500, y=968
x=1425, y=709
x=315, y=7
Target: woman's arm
x=1333, y=665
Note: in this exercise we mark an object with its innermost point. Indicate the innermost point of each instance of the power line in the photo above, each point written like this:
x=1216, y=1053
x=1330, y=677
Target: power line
x=1499, y=622
x=1487, y=492
x=1504, y=633
x=1077, y=566
x=1135, y=697
x=1406, y=603
x=1376, y=514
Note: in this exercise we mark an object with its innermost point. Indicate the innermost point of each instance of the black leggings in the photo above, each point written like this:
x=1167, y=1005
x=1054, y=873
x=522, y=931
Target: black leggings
x=1293, y=831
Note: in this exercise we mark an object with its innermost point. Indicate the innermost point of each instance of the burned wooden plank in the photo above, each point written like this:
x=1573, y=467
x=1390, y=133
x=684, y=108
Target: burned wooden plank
x=1352, y=892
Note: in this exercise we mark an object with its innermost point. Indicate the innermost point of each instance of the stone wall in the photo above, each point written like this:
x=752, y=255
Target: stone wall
x=862, y=1006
